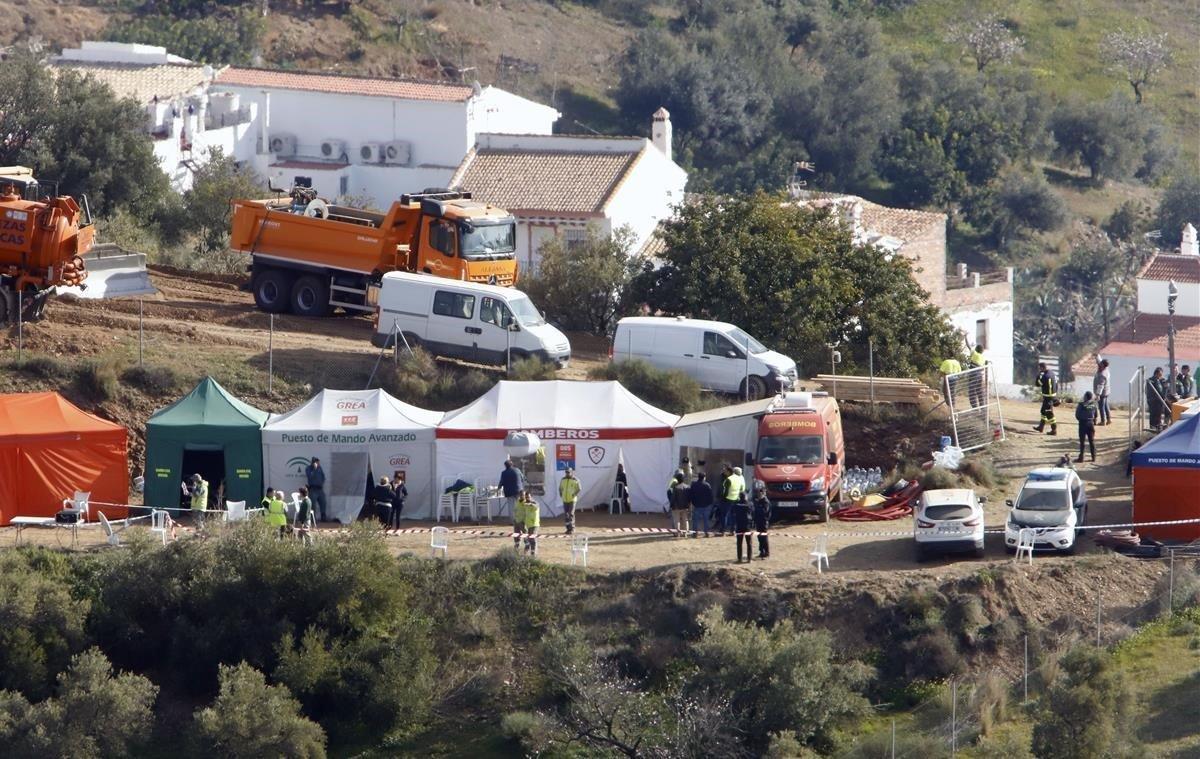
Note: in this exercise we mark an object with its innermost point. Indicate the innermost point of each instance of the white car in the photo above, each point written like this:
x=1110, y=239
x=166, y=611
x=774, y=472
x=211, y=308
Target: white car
x=1053, y=503
x=948, y=521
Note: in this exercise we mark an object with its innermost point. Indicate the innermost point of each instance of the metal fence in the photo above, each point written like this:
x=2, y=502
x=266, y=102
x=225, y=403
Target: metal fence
x=974, y=402
x=1137, y=405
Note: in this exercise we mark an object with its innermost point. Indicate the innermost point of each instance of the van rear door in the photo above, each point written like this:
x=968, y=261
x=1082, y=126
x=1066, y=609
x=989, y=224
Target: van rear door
x=453, y=328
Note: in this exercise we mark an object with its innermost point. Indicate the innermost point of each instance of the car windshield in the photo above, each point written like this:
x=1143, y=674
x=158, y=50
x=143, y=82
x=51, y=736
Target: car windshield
x=741, y=340
x=489, y=240
x=1043, y=500
x=945, y=511
x=790, y=449
x=525, y=312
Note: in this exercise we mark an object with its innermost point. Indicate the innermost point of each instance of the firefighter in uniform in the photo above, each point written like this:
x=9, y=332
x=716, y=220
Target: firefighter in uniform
x=1048, y=386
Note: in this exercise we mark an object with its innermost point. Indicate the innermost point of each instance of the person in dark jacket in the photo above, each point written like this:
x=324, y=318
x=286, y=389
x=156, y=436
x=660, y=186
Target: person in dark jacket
x=700, y=494
x=315, y=477
x=742, y=526
x=1085, y=414
x=623, y=480
x=510, y=488
x=382, y=498
x=681, y=503
x=761, y=512
x=399, y=493
x=1157, y=394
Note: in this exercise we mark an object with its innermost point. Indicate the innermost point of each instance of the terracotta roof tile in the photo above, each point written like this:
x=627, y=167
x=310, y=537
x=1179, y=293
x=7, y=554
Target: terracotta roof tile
x=1147, y=336
x=902, y=223
x=139, y=82
x=544, y=180
x=1165, y=266
x=406, y=89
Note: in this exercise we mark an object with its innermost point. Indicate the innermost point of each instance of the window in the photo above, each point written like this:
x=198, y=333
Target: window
x=981, y=333
x=573, y=238
x=343, y=186
x=719, y=345
x=493, y=311
x=441, y=237
x=453, y=304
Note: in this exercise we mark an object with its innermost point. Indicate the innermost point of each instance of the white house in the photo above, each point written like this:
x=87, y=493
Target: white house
x=371, y=137
x=564, y=184
x=185, y=120
x=980, y=305
x=1141, y=342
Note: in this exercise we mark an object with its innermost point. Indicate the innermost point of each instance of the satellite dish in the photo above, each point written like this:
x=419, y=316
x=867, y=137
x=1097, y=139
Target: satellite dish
x=318, y=209
x=518, y=444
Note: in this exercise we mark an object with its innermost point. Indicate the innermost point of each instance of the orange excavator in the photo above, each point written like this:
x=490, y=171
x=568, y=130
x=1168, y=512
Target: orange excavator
x=42, y=244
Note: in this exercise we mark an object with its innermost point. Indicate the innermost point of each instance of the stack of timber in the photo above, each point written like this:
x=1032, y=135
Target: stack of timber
x=887, y=389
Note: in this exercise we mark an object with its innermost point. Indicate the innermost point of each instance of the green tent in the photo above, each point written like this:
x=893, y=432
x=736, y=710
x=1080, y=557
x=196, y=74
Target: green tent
x=206, y=432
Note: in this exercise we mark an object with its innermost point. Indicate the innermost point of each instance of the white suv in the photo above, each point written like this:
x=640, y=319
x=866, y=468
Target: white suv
x=1053, y=503
x=948, y=521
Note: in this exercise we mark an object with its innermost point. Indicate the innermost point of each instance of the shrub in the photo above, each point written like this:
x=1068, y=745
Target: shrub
x=669, y=390
x=44, y=367
x=474, y=383
x=933, y=656
x=532, y=369
x=1086, y=712
x=964, y=617
x=250, y=718
x=155, y=380
x=978, y=470
x=939, y=478
x=95, y=381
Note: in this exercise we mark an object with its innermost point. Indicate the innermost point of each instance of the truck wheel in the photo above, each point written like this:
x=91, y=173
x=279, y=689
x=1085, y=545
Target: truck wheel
x=758, y=388
x=272, y=289
x=823, y=514
x=310, y=296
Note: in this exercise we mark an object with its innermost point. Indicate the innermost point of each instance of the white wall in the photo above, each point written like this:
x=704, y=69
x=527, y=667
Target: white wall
x=1152, y=297
x=499, y=111
x=648, y=195
x=236, y=140
x=1000, y=334
x=437, y=130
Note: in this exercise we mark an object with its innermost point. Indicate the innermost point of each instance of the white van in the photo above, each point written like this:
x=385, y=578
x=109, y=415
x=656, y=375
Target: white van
x=713, y=353
x=466, y=320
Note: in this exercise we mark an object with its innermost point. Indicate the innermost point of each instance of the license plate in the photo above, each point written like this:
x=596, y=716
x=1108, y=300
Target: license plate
x=787, y=504
x=947, y=528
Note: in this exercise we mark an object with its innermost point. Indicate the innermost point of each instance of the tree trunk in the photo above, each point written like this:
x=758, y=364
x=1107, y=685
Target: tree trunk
x=1137, y=91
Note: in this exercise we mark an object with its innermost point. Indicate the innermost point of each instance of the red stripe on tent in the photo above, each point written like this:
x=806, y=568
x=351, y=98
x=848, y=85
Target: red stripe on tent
x=614, y=433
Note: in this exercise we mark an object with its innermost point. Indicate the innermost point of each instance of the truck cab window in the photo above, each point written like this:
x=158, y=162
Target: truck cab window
x=441, y=237
x=494, y=311
x=453, y=304
x=718, y=345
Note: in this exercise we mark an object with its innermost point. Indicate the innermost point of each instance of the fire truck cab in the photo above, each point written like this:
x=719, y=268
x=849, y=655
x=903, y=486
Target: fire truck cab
x=801, y=454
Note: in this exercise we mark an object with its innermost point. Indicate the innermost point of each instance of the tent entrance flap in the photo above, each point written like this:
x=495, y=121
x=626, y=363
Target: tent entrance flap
x=349, y=475
x=209, y=464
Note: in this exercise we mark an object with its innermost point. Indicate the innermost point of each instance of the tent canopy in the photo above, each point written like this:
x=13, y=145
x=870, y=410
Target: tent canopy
x=1178, y=446
x=586, y=426
x=210, y=420
x=732, y=428
x=353, y=433
x=49, y=449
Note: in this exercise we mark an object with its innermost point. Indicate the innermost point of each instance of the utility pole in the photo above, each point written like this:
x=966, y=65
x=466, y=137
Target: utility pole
x=1026, y=677
x=1172, y=295
x=1171, y=585
x=871, y=367
x=141, y=334
x=1098, y=591
x=271, y=356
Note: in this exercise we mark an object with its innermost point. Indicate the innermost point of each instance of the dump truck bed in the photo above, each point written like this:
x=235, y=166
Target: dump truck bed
x=350, y=240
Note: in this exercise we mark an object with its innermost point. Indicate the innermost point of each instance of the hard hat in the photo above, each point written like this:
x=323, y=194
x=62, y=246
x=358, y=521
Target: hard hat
x=196, y=477
x=737, y=470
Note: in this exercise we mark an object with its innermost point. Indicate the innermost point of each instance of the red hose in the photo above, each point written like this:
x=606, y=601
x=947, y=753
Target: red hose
x=897, y=506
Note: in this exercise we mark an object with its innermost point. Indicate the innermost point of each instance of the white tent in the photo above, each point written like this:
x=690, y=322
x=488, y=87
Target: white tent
x=354, y=433
x=727, y=428
x=587, y=426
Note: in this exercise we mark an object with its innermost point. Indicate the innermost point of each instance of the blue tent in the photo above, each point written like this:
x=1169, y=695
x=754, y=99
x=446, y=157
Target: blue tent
x=1177, y=447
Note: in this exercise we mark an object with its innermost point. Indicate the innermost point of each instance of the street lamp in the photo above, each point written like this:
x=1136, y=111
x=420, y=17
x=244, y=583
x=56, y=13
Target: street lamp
x=1172, y=294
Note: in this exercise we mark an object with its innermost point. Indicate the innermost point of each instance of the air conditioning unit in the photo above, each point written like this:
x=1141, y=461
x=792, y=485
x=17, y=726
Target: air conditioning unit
x=371, y=152
x=283, y=144
x=397, y=153
x=333, y=149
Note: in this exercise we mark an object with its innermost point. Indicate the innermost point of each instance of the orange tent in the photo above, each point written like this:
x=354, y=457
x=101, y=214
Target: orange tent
x=49, y=449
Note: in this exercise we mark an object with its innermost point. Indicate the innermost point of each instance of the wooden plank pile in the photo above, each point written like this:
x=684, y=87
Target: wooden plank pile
x=887, y=389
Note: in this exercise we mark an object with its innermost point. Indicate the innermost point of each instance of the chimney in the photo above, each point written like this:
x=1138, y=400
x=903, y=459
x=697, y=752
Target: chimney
x=660, y=131
x=1189, y=246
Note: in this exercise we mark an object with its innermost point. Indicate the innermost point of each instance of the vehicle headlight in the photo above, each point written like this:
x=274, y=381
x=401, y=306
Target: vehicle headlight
x=818, y=483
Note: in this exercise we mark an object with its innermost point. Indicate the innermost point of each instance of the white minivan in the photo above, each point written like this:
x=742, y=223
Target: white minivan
x=467, y=320
x=718, y=355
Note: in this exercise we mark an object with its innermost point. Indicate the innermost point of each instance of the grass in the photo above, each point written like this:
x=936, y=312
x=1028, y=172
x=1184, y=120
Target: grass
x=1062, y=43
x=1164, y=672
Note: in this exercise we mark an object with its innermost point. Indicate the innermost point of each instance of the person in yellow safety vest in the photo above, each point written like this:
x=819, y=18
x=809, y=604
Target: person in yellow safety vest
x=199, y=498
x=533, y=520
x=265, y=503
x=1048, y=386
x=948, y=367
x=568, y=491
x=734, y=490
x=277, y=513
x=978, y=379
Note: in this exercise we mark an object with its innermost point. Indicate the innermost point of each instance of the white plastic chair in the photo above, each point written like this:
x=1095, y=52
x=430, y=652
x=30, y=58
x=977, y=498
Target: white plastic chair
x=113, y=538
x=439, y=540
x=235, y=511
x=1025, y=544
x=579, y=548
x=820, y=553
x=617, y=498
x=468, y=501
x=79, y=501
x=447, y=503
x=160, y=522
